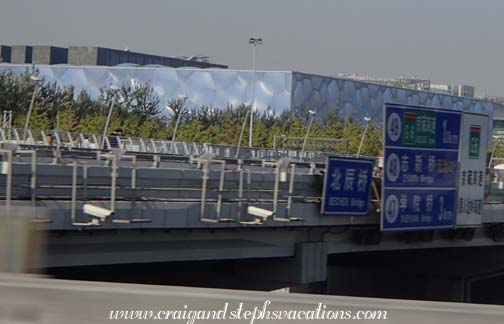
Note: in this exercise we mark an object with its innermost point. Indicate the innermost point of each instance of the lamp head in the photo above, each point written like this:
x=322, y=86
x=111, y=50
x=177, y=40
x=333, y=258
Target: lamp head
x=170, y=110
x=255, y=41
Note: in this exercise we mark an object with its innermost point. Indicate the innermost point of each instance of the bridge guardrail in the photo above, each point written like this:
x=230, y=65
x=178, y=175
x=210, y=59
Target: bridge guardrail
x=72, y=140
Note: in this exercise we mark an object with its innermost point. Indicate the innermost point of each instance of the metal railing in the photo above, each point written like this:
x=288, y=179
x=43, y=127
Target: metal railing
x=72, y=140
x=327, y=145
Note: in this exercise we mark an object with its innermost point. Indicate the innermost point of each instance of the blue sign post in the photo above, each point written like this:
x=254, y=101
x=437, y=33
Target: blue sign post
x=420, y=168
x=347, y=186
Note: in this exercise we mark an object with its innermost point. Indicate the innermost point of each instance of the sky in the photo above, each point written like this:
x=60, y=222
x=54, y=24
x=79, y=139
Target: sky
x=446, y=41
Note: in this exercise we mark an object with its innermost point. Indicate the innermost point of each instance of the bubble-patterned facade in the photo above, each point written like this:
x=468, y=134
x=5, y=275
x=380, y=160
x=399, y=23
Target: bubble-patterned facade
x=275, y=90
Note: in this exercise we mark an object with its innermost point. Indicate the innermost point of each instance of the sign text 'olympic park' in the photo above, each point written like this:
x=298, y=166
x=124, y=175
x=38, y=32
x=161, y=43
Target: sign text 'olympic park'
x=419, y=188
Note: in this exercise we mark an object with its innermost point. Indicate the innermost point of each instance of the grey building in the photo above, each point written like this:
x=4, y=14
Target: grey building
x=401, y=82
x=83, y=55
x=27, y=54
x=21, y=54
x=5, y=54
x=460, y=90
x=96, y=56
x=49, y=55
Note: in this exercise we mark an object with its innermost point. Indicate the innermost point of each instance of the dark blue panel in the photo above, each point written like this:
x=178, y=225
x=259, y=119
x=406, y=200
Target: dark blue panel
x=426, y=168
x=410, y=209
x=347, y=186
x=446, y=125
x=420, y=169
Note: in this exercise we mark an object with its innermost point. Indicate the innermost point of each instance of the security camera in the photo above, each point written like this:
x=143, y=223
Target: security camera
x=96, y=211
x=260, y=213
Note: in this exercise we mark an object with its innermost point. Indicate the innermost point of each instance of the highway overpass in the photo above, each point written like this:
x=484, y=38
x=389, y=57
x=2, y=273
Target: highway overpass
x=168, y=206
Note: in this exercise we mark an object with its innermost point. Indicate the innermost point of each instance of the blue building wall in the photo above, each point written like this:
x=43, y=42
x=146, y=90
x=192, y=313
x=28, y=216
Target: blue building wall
x=276, y=91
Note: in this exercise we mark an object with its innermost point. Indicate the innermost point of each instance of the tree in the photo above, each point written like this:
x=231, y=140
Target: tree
x=40, y=118
x=92, y=123
x=138, y=113
x=136, y=98
x=69, y=121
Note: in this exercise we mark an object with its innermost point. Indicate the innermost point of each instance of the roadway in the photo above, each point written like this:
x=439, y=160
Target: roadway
x=40, y=300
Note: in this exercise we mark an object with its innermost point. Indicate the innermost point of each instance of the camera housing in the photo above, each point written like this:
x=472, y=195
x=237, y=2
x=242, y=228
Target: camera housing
x=96, y=211
x=260, y=214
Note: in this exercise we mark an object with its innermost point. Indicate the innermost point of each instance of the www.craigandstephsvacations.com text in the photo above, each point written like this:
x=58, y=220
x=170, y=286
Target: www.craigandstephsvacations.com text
x=241, y=312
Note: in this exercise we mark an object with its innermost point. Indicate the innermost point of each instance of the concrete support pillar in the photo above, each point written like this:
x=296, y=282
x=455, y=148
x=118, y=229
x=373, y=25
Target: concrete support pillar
x=445, y=288
x=309, y=266
x=311, y=258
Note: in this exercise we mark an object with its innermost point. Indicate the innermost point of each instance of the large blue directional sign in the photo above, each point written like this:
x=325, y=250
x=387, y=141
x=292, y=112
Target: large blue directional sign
x=420, y=168
x=347, y=186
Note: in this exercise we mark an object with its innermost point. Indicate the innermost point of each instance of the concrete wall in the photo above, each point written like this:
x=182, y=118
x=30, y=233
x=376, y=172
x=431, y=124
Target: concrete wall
x=49, y=55
x=111, y=57
x=82, y=55
x=21, y=54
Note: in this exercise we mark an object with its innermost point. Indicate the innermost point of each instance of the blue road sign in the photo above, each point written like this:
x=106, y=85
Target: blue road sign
x=347, y=186
x=408, y=126
x=413, y=168
x=420, y=168
x=411, y=209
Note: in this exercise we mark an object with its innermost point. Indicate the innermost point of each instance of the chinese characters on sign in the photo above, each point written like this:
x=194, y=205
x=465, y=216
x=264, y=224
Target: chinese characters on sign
x=471, y=195
x=347, y=186
x=420, y=169
x=472, y=169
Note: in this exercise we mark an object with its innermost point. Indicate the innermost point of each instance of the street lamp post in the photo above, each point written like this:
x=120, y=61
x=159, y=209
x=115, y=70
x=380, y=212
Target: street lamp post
x=312, y=117
x=241, y=134
x=254, y=42
x=109, y=114
x=367, y=119
x=58, y=119
x=179, y=115
x=35, y=90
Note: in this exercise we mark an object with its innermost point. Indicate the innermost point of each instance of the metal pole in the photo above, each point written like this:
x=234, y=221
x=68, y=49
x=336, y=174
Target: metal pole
x=205, y=168
x=241, y=134
x=113, y=182
x=306, y=136
x=27, y=122
x=253, y=96
x=362, y=139
x=291, y=190
x=176, y=125
x=8, y=195
x=58, y=120
x=497, y=140
x=112, y=103
x=74, y=192
x=240, y=189
x=275, y=189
